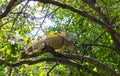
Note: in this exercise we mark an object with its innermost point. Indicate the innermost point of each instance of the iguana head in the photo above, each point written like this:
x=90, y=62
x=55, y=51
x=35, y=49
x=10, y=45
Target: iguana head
x=71, y=37
x=69, y=40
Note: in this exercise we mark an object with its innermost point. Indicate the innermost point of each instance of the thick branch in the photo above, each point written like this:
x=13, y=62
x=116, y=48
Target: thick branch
x=55, y=59
x=82, y=13
x=115, y=36
x=8, y=8
x=88, y=59
x=93, y=61
x=64, y=6
x=76, y=57
x=93, y=5
x=67, y=56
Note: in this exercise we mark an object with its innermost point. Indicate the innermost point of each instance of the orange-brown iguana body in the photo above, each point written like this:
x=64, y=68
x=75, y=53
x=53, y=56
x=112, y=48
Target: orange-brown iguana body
x=57, y=42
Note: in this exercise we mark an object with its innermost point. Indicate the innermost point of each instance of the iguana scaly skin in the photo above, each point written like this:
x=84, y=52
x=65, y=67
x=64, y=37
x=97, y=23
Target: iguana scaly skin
x=58, y=43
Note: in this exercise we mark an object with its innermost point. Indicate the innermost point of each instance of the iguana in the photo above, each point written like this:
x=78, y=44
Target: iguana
x=59, y=42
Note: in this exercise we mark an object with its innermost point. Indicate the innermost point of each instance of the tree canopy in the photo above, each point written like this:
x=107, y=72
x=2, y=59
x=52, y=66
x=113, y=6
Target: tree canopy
x=95, y=22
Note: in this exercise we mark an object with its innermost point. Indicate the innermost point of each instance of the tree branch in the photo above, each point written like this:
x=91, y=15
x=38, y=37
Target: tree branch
x=64, y=6
x=115, y=36
x=76, y=57
x=82, y=13
x=99, y=45
x=6, y=23
x=52, y=68
x=93, y=42
x=93, y=5
x=10, y=71
x=55, y=59
x=8, y=8
x=93, y=61
x=67, y=56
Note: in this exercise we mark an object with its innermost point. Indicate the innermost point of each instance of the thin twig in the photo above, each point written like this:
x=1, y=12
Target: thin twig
x=93, y=42
x=16, y=20
x=42, y=21
x=106, y=8
x=110, y=47
x=5, y=23
x=10, y=71
x=51, y=69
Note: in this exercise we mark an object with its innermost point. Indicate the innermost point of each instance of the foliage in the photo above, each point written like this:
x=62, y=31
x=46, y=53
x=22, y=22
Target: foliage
x=96, y=23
